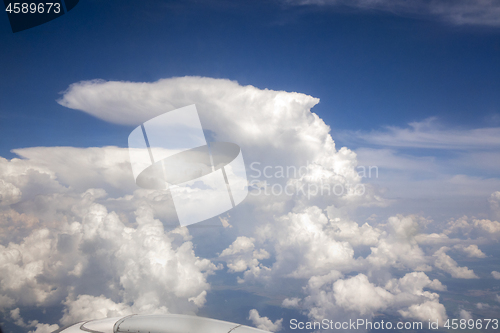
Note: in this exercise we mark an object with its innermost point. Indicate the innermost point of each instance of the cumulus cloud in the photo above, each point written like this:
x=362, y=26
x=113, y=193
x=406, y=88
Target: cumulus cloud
x=264, y=323
x=6, y=302
x=81, y=168
x=291, y=302
x=460, y=12
x=492, y=227
x=309, y=244
x=15, y=226
x=473, y=228
x=87, y=306
x=240, y=256
x=481, y=306
x=44, y=328
x=39, y=327
x=9, y=194
x=472, y=251
x=496, y=275
x=305, y=245
x=273, y=128
x=414, y=283
x=494, y=201
x=447, y=264
x=87, y=238
x=425, y=311
x=400, y=246
x=119, y=102
x=358, y=294
x=90, y=258
x=15, y=315
x=464, y=314
x=355, y=296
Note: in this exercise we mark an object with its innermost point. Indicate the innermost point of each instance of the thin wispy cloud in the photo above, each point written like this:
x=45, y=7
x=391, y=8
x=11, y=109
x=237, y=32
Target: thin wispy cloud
x=429, y=134
x=460, y=12
x=427, y=159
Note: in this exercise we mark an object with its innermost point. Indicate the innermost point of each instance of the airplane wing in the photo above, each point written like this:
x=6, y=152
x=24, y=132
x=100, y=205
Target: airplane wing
x=170, y=323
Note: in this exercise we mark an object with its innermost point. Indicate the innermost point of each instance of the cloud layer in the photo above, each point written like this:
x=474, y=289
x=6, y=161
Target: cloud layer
x=76, y=232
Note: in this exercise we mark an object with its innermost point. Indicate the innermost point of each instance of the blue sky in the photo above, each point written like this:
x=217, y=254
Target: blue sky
x=369, y=68
x=411, y=89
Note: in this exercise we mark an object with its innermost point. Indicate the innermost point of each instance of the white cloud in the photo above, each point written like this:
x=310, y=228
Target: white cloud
x=44, y=328
x=87, y=306
x=400, y=247
x=447, y=264
x=429, y=310
x=6, y=302
x=240, y=256
x=9, y=194
x=291, y=302
x=492, y=227
x=93, y=242
x=434, y=238
x=414, y=283
x=240, y=245
x=15, y=315
x=464, y=314
x=358, y=294
x=481, y=306
x=81, y=168
x=305, y=245
x=90, y=250
x=14, y=226
x=252, y=114
x=350, y=231
x=473, y=228
x=119, y=102
x=472, y=250
x=225, y=221
x=256, y=119
x=308, y=244
x=274, y=128
x=86, y=236
x=39, y=327
x=496, y=275
x=494, y=201
x=264, y=323
x=459, y=12
x=318, y=281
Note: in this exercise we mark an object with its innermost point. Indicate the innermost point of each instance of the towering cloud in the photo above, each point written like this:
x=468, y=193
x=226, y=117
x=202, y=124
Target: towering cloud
x=77, y=233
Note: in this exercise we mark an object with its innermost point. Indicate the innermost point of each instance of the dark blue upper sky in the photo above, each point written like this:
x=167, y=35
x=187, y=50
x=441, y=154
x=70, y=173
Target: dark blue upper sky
x=370, y=69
